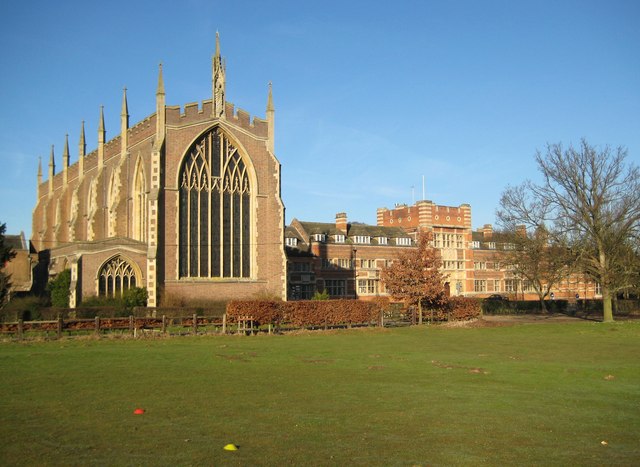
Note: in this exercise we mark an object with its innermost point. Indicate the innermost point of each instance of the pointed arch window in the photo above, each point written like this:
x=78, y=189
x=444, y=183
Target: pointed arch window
x=115, y=277
x=92, y=208
x=139, y=204
x=215, y=210
x=113, y=198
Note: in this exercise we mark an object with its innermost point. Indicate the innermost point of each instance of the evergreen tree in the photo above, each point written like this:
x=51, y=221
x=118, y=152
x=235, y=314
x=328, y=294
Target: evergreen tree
x=6, y=254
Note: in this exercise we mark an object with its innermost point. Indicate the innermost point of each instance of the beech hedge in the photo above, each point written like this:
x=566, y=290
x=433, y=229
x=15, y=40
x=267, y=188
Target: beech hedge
x=337, y=312
x=304, y=312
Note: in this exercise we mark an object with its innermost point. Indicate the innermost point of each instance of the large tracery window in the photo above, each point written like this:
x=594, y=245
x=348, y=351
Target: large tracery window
x=116, y=276
x=215, y=210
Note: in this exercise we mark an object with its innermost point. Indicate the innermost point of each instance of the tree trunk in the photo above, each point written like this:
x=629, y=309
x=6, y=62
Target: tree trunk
x=543, y=305
x=607, y=309
x=419, y=311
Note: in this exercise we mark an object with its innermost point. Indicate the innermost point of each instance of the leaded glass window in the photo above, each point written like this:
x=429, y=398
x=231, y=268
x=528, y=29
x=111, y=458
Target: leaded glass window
x=215, y=210
x=115, y=277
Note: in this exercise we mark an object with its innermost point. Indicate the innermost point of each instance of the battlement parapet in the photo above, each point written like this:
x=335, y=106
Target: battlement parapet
x=194, y=112
x=143, y=129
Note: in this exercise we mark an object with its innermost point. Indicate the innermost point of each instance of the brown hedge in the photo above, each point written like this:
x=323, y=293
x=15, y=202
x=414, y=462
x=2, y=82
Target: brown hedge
x=305, y=313
x=262, y=311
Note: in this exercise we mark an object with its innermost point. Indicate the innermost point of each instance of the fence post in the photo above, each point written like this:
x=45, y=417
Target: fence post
x=97, y=325
x=59, y=330
x=164, y=324
x=224, y=323
x=20, y=329
x=381, y=318
x=195, y=323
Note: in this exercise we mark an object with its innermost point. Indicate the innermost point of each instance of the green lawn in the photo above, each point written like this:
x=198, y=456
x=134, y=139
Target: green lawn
x=533, y=394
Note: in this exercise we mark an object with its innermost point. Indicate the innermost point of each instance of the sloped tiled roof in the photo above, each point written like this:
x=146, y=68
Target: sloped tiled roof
x=17, y=242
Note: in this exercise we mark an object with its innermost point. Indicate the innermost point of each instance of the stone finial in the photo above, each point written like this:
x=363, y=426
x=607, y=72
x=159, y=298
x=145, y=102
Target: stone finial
x=82, y=149
x=82, y=145
x=217, y=83
x=125, y=108
x=52, y=164
x=160, y=89
x=101, y=139
x=270, y=107
x=270, y=121
x=39, y=170
x=52, y=171
x=101, y=130
x=65, y=160
x=65, y=152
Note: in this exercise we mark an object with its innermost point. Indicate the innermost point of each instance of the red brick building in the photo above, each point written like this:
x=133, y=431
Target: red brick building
x=346, y=259
x=342, y=258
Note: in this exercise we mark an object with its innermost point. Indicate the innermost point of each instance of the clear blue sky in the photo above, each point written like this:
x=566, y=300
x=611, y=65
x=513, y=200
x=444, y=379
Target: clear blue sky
x=369, y=95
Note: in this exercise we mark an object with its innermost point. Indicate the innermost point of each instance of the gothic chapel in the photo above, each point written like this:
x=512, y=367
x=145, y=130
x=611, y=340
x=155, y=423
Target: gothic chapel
x=185, y=203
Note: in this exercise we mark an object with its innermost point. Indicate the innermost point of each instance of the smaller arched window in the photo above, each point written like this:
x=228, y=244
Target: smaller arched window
x=139, y=217
x=116, y=276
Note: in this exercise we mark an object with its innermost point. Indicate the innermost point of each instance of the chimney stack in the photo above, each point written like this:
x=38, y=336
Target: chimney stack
x=487, y=231
x=341, y=222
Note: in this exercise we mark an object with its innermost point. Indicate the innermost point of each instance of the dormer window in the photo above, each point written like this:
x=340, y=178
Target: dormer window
x=291, y=241
x=382, y=240
x=403, y=241
x=338, y=238
x=319, y=237
x=362, y=239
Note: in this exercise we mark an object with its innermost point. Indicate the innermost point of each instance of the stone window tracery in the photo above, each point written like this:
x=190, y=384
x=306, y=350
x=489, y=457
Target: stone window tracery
x=215, y=210
x=116, y=276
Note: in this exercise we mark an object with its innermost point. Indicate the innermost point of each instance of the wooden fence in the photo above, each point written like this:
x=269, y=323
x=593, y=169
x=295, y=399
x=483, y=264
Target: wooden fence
x=140, y=326
x=135, y=326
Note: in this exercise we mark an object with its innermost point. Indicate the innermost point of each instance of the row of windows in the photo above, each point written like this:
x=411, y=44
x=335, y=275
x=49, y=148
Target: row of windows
x=449, y=265
x=359, y=239
x=447, y=240
x=338, y=287
x=347, y=263
x=491, y=245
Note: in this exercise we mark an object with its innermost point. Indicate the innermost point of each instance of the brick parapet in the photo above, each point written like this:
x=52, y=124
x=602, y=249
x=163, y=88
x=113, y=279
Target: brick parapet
x=193, y=114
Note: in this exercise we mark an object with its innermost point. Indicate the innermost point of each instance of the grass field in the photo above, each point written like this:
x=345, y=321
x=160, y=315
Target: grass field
x=533, y=394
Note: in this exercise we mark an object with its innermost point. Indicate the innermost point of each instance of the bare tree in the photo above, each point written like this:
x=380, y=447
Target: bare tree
x=589, y=198
x=536, y=257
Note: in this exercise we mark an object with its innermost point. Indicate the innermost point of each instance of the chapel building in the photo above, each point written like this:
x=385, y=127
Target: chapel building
x=185, y=203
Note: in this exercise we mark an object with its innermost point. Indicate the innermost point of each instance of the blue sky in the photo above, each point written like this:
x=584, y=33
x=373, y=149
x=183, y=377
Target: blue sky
x=370, y=96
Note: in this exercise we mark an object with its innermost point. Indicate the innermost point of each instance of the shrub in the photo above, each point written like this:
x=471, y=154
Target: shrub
x=463, y=308
x=497, y=307
x=26, y=308
x=59, y=289
x=324, y=295
x=135, y=296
